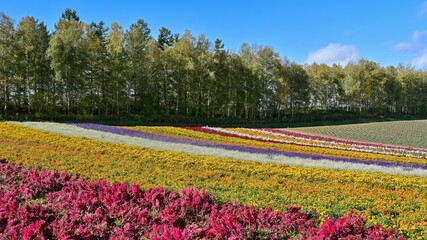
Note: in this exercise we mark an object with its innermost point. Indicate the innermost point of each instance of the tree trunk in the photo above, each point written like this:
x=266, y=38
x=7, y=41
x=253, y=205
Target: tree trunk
x=5, y=96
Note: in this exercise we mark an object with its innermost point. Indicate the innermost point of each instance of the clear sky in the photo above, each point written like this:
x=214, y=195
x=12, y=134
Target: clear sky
x=386, y=31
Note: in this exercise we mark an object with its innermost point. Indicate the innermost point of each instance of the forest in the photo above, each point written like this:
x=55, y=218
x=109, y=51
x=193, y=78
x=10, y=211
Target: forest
x=96, y=70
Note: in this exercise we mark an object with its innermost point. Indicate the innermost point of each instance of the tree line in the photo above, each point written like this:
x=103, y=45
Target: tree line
x=90, y=69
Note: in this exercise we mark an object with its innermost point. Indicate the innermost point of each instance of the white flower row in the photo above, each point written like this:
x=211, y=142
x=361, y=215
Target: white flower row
x=75, y=131
x=383, y=147
x=354, y=147
x=350, y=148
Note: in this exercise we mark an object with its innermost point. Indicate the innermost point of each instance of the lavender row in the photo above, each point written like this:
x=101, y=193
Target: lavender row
x=271, y=152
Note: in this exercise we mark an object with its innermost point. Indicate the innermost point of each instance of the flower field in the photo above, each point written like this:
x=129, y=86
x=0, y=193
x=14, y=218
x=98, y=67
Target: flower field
x=255, y=167
x=45, y=205
x=406, y=133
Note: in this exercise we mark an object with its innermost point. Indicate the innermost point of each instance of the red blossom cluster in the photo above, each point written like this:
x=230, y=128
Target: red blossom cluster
x=39, y=204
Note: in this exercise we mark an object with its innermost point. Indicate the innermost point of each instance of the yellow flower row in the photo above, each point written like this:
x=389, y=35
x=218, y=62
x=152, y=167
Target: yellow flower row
x=393, y=200
x=190, y=134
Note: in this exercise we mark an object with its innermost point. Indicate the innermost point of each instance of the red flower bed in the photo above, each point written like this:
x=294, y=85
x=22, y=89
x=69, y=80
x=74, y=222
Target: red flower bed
x=49, y=205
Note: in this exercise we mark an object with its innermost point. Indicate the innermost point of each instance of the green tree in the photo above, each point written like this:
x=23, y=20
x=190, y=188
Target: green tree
x=414, y=86
x=136, y=39
x=90, y=69
x=155, y=74
x=166, y=38
x=268, y=68
x=217, y=86
x=165, y=41
x=296, y=86
x=96, y=75
x=70, y=15
x=32, y=41
x=325, y=85
x=115, y=97
x=363, y=85
x=6, y=60
x=238, y=76
x=69, y=60
x=202, y=75
x=182, y=55
x=393, y=90
x=251, y=79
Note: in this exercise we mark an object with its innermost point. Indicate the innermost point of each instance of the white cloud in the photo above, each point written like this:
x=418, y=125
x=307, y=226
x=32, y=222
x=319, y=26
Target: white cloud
x=413, y=45
x=334, y=53
x=404, y=46
x=420, y=60
x=417, y=48
x=423, y=9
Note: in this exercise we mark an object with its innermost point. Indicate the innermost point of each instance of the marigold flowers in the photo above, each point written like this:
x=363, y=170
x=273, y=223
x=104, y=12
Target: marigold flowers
x=394, y=201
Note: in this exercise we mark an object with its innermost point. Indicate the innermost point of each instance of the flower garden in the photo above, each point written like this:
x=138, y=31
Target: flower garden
x=244, y=179
x=408, y=133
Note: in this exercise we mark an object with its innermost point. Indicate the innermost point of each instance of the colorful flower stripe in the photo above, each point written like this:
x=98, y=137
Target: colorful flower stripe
x=254, y=154
x=257, y=134
x=327, y=153
x=395, y=133
x=268, y=152
x=58, y=206
x=205, y=134
x=334, y=145
x=261, y=135
x=395, y=201
x=328, y=139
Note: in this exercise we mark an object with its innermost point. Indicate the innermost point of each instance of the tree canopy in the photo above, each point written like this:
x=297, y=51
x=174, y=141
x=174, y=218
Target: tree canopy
x=92, y=69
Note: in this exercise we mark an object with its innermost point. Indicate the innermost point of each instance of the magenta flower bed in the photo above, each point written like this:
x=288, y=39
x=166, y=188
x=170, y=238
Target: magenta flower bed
x=39, y=204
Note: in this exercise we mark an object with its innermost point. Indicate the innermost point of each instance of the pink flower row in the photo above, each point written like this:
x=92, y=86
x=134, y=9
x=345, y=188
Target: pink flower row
x=311, y=143
x=347, y=142
x=48, y=205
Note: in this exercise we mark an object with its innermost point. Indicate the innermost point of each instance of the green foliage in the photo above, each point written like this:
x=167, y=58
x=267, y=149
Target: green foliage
x=32, y=66
x=91, y=70
x=6, y=61
x=68, y=52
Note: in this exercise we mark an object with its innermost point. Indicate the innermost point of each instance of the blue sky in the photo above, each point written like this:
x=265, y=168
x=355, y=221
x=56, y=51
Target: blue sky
x=389, y=32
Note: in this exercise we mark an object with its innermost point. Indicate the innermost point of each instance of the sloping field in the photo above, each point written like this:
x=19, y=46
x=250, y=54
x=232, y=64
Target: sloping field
x=60, y=206
x=404, y=133
x=255, y=167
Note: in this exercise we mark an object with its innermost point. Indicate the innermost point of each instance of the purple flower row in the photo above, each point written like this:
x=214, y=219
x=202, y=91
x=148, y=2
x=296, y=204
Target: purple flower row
x=157, y=137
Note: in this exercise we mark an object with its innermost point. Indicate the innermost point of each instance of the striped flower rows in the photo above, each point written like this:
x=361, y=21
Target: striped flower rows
x=410, y=133
x=281, y=136
x=157, y=141
x=247, y=149
x=242, y=141
x=317, y=138
x=395, y=201
x=272, y=136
